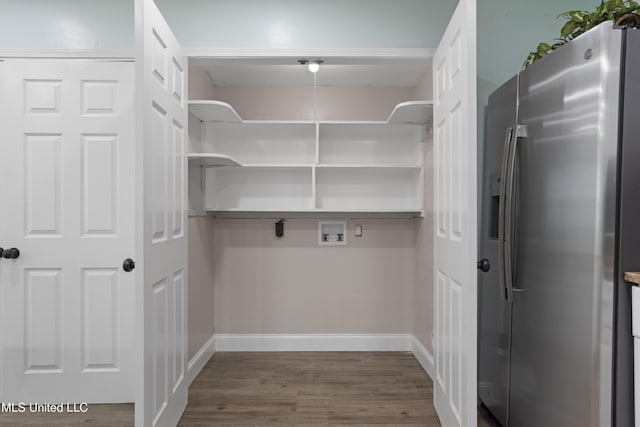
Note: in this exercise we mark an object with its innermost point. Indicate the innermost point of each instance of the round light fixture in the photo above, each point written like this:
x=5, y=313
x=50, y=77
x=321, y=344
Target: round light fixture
x=314, y=66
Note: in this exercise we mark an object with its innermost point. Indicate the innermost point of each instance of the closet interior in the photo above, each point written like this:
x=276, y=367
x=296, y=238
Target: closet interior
x=347, y=150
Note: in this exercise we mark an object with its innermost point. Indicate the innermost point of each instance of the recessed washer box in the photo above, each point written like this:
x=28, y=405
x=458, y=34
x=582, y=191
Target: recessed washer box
x=332, y=233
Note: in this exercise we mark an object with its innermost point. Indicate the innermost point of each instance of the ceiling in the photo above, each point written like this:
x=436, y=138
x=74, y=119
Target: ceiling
x=333, y=71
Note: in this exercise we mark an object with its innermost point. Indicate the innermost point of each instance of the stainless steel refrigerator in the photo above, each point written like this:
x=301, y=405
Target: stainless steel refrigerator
x=560, y=224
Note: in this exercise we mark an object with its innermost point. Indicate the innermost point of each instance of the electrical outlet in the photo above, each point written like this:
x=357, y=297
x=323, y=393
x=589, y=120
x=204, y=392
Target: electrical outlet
x=358, y=231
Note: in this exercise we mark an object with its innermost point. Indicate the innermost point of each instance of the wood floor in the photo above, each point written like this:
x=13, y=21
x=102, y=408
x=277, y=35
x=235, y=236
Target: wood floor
x=120, y=415
x=309, y=388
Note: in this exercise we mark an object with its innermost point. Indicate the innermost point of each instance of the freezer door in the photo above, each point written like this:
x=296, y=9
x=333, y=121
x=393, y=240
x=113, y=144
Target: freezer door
x=566, y=167
x=494, y=311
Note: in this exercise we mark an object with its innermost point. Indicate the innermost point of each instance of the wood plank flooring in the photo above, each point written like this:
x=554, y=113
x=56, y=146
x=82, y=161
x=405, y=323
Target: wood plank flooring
x=311, y=388
x=103, y=415
x=308, y=388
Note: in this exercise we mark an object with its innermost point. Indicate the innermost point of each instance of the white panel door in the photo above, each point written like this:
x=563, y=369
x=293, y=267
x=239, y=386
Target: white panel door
x=4, y=195
x=161, y=80
x=455, y=222
x=68, y=169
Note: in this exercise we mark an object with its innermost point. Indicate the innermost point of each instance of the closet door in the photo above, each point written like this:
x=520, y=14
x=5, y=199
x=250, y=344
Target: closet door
x=68, y=210
x=161, y=81
x=455, y=281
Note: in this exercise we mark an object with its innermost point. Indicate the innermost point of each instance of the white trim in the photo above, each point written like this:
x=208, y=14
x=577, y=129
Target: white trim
x=115, y=54
x=200, y=359
x=389, y=53
x=423, y=356
x=314, y=342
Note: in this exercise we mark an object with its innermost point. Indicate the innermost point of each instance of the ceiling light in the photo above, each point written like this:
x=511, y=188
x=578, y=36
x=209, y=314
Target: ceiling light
x=313, y=66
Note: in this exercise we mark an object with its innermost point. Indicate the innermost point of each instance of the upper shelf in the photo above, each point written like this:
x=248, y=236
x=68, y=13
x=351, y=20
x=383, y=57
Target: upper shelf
x=214, y=111
x=412, y=112
x=213, y=159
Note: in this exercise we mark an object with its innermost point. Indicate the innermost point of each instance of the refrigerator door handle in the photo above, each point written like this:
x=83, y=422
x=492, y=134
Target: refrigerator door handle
x=501, y=213
x=510, y=212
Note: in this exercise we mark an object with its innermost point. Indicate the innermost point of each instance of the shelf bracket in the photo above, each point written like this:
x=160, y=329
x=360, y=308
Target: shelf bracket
x=427, y=128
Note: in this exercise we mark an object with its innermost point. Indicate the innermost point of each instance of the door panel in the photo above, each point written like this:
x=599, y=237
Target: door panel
x=70, y=306
x=163, y=84
x=455, y=220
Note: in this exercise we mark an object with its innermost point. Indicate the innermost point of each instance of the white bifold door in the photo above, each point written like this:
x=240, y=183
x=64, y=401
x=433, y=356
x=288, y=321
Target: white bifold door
x=67, y=306
x=161, y=84
x=454, y=71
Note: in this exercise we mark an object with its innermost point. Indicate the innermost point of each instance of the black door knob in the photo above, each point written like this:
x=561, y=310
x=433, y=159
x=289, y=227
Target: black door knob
x=1, y=251
x=484, y=265
x=128, y=265
x=11, y=253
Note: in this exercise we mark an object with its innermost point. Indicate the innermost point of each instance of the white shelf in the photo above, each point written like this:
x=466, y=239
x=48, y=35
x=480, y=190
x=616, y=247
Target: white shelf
x=326, y=169
x=278, y=122
x=263, y=142
x=366, y=166
x=213, y=159
x=413, y=112
x=315, y=213
x=357, y=143
x=370, y=190
x=257, y=189
x=214, y=111
x=319, y=210
x=276, y=165
x=210, y=111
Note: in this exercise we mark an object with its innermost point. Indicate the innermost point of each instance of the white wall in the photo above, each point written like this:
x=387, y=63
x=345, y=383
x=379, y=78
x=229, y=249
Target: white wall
x=66, y=24
x=308, y=23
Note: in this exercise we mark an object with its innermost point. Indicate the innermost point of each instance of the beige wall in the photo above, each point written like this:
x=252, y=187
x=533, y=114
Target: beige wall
x=291, y=285
x=296, y=102
x=200, y=86
x=423, y=310
x=423, y=319
x=200, y=251
x=424, y=88
x=201, y=282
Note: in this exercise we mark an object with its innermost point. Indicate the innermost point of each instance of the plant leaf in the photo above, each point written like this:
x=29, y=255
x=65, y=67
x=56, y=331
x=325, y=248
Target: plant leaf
x=580, y=21
x=567, y=29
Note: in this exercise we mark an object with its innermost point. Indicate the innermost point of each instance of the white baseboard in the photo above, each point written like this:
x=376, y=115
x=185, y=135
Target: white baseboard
x=424, y=357
x=314, y=342
x=310, y=342
x=200, y=359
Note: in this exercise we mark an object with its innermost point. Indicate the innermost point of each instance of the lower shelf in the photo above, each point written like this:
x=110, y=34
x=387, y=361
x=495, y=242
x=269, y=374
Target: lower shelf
x=377, y=190
x=313, y=213
x=247, y=189
x=309, y=190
